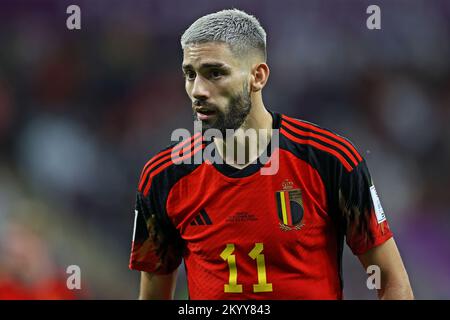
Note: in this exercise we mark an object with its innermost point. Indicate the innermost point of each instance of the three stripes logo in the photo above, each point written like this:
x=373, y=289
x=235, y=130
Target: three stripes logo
x=201, y=219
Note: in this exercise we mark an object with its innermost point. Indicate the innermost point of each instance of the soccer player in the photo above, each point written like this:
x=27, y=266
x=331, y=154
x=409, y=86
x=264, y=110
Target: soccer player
x=243, y=233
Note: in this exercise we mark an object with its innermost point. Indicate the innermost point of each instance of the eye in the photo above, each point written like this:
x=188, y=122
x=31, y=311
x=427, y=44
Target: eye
x=215, y=74
x=189, y=75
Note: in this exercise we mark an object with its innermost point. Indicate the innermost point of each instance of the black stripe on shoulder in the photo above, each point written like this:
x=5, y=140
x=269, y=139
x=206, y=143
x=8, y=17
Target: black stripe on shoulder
x=338, y=150
x=182, y=148
x=326, y=133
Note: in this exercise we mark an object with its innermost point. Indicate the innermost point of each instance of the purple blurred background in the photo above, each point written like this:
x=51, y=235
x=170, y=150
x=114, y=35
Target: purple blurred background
x=81, y=112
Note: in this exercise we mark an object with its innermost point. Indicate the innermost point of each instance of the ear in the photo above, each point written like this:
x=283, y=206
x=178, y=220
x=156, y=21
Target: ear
x=259, y=76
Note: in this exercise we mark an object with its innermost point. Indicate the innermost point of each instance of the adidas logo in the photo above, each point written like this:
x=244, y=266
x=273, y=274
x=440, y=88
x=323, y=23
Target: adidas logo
x=201, y=219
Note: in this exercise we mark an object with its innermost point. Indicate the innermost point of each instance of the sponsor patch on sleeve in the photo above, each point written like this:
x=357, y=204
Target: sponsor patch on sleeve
x=135, y=223
x=379, y=212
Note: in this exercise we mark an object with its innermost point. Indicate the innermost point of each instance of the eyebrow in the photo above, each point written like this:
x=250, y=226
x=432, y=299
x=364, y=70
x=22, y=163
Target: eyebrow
x=206, y=65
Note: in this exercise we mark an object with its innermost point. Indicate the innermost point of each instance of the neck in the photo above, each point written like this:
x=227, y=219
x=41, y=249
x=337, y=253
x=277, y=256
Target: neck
x=251, y=139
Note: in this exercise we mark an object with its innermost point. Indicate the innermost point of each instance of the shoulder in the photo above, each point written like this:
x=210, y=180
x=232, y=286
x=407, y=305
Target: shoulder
x=171, y=163
x=318, y=143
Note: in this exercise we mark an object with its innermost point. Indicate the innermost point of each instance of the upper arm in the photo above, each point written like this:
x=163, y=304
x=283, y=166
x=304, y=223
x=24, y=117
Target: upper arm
x=157, y=246
x=157, y=287
x=393, y=273
x=365, y=224
x=386, y=256
x=368, y=233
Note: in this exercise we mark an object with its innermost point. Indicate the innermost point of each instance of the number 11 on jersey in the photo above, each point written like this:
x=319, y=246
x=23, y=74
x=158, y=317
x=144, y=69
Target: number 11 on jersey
x=262, y=285
x=255, y=254
x=232, y=286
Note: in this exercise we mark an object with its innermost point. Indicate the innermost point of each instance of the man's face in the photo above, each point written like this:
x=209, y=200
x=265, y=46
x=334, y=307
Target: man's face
x=217, y=84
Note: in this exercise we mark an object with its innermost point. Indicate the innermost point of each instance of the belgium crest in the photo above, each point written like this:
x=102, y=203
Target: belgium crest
x=289, y=207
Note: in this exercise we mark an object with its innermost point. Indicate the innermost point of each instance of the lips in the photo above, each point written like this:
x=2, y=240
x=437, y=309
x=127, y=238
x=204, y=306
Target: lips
x=204, y=113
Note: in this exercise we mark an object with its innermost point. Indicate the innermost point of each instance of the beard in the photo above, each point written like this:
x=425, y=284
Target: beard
x=235, y=114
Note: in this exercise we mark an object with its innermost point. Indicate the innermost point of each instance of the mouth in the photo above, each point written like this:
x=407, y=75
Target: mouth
x=204, y=113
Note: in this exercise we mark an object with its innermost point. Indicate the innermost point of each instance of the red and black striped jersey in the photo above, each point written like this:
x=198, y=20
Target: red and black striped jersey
x=247, y=235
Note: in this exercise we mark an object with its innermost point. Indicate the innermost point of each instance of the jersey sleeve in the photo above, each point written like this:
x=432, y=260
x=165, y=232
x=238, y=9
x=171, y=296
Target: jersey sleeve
x=156, y=246
x=364, y=219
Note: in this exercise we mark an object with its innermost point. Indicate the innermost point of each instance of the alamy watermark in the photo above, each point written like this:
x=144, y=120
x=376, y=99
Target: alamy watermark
x=373, y=22
x=73, y=21
x=74, y=280
x=238, y=144
x=374, y=279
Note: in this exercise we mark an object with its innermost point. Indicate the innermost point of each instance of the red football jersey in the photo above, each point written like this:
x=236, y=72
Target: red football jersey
x=246, y=235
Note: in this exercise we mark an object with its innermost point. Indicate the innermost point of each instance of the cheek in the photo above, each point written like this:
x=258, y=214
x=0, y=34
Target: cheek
x=229, y=88
x=223, y=96
x=188, y=88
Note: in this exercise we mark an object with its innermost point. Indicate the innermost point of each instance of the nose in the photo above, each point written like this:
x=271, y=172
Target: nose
x=199, y=89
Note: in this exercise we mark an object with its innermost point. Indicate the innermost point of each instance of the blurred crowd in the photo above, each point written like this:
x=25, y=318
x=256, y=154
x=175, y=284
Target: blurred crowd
x=82, y=111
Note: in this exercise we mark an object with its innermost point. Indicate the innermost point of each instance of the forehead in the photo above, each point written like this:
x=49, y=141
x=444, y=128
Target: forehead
x=215, y=52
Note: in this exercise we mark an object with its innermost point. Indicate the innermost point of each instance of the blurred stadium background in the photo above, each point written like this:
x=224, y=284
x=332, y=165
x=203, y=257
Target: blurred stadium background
x=82, y=111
